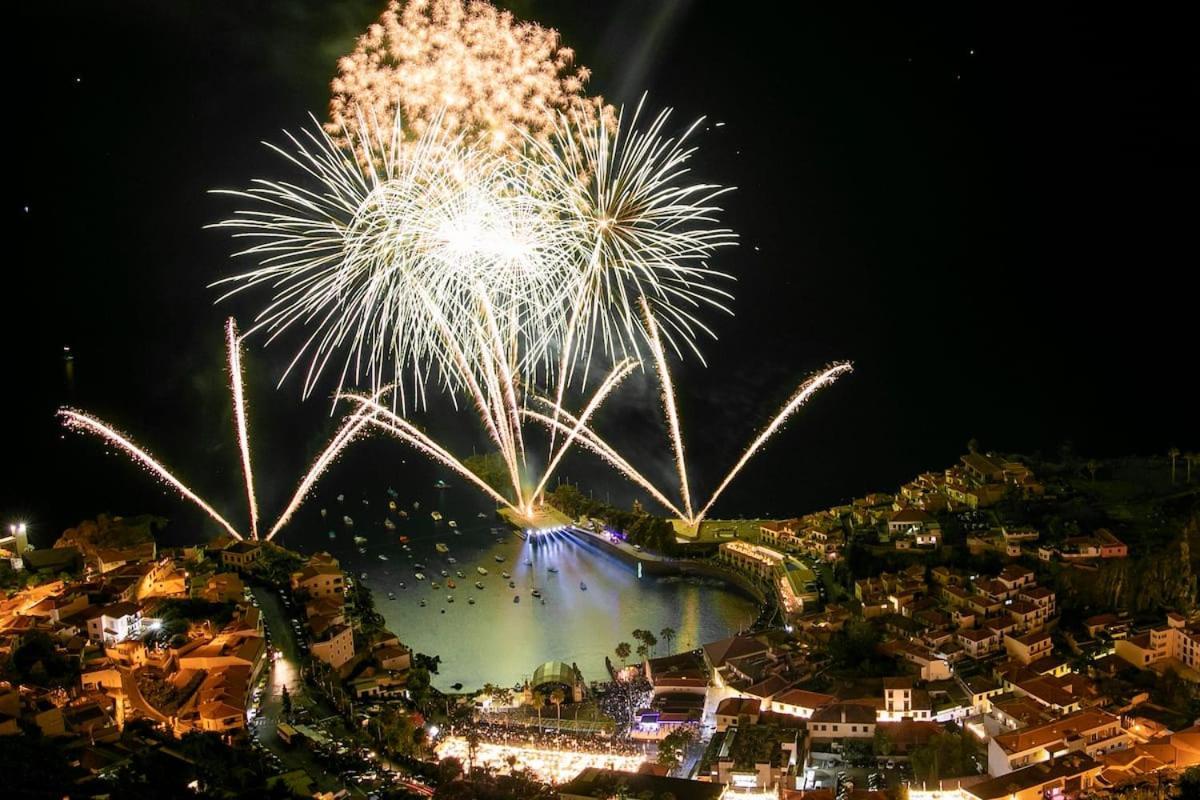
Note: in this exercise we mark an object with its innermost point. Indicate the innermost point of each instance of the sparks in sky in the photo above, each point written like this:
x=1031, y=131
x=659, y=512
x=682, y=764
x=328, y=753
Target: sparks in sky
x=490, y=75
x=85, y=423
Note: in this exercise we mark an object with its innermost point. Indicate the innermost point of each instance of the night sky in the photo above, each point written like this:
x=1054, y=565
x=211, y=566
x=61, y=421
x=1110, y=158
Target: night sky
x=992, y=213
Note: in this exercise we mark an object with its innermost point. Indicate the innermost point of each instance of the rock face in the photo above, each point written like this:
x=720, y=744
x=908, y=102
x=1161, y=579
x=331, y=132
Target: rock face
x=110, y=541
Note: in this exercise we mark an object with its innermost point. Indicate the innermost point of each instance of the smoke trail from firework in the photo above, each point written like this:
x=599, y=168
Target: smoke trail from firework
x=801, y=396
x=84, y=423
x=239, y=417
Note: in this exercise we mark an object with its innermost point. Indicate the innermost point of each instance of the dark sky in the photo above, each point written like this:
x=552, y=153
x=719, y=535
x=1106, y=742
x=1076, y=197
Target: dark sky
x=992, y=212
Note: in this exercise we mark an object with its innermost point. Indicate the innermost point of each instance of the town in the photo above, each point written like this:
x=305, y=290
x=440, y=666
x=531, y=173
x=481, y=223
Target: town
x=1004, y=628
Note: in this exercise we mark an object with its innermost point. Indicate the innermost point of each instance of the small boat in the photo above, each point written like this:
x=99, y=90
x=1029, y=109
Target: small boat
x=437, y=516
x=481, y=570
x=419, y=567
x=332, y=535
x=416, y=504
x=478, y=584
x=391, y=505
x=347, y=521
x=435, y=586
x=456, y=686
x=402, y=513
x=499, y=540
x=441, y=485
x=528, y=563
x=382, y=557
x=536, y=593
x=505, y=575
x=451, y=560
x=324, y=513
x=481, y=515
x=403, y=540
x=341, y=498
x=552, y=569
x=423, y=604
x=406, y=549
x=441, y=548
x=512, y=585
x=403, y=585
x=360, y=540
x=366, y=502
x=452, y=524
x=582, y=586
x=471, y=600
x=387, y=523
x=392, y=493
x=450, y=584
x=362, y=577
x=420, y=576
x=516, y=598
x=499, y=559
x=362, y=550
x=391, y=595
x=543, y=601
x=449, y=598
x=444, y=573
x=457, y=532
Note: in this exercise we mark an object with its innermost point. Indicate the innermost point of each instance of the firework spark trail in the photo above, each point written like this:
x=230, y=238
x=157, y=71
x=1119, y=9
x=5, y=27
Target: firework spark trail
x=85, y=423
x=614, y=379
x=239, y=418
x=669, y=405
x=406, y=431
x=592, y=441
x=801, y=396
x=346, y=434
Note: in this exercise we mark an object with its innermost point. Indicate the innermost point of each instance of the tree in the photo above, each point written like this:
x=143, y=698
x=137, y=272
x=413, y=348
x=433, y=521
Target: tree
x=668, y=634
x=557, y=697
x=287, y=701
x=945, y=755
x=1092, y=466
x=623, y=652
x=1189, y=458
x=1173, y=454
x=651, y=641
x=883, y=742
x=673, y=747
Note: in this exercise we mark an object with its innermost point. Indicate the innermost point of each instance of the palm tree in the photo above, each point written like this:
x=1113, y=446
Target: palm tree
x=1092, y=466
x=1173, y=454
x=623, y=652
x=651, y=641
x=668, y=633
x=1189, y=458
x=472, y=746
x=557, y=697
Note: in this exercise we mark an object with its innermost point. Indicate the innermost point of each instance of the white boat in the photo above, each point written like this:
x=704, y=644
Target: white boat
x=478, y=584
x=416, y=504
x=402, y=513
x=552, y=569
x=362, y=550
x=324, y=513
x=441, y=548
x=348, y=522
x=471, y=600
x=481, y=515
x=453, y=524
x=392, y=505
x=420, y=576
x=506, y=575
x=437, y=516
x=382, y=557
x=423, y=604
x=445, y=574
x=387, y=523
x=366, y=502
x=341, y=498
x=499, y=558
x=481, y=570
x=391, y=595
x=451, y=560
x=434, y=585
x=460, y=573
x=449, y=598
x=362, y=577
x=360, y=540
x=536, y=593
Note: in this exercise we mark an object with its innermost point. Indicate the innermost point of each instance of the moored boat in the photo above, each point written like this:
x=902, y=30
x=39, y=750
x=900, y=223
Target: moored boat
x=441, y=548
x=478, y=584
x=437, y=516
x=481, y=570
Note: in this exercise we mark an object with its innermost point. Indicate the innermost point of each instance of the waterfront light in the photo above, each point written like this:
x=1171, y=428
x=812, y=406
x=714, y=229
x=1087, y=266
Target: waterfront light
x=554, y=766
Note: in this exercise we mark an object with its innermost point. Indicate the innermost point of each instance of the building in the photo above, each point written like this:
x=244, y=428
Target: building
x=1029, y=647
x=241, y=554
x=842, y=721
x=337, y=648
x=761, y=562
x=1091, y=731
x=594, y=783
x=1178, y=639
x=319, y=578
x=800, y=703
x=115, y=623
x=902, y=700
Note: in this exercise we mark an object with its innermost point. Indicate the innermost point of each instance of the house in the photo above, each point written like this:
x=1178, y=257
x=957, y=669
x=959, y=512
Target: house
x=752, y=559
x=1029, y=647
x=1178, y=639
x=842, y=721
x=1070, y=776
x=732, y=709
x=337, y=648
x=800, y=703
x=908, y=520
x=115, y=623
x=320, y=577
x=979, y=642
x=1090, y=731
x=901, y=700
x=241, y=554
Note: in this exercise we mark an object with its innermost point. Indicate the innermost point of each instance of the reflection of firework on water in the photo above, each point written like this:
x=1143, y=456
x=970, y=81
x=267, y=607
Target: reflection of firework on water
x=85, y=423
x=494, y=77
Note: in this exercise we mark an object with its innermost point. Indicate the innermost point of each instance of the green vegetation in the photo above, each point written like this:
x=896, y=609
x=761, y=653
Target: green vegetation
x=492, y=470
x=37, y=660
x=107, y=532
x=673, y=747
x=645, y=530
x=947, y=755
